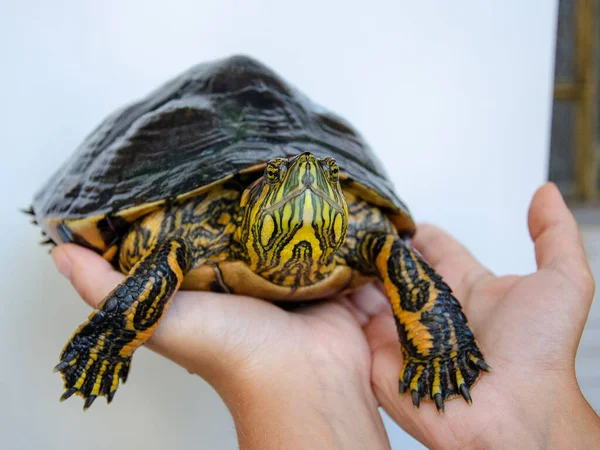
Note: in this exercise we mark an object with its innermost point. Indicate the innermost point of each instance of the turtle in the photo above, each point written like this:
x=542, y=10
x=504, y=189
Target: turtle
x=229, y=179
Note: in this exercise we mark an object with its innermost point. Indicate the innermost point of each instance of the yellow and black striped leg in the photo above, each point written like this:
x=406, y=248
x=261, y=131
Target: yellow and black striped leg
x=99, y=353
x=441, y=356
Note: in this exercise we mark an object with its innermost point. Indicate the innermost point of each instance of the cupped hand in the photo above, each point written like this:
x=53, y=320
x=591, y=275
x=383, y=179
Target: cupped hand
x=529, y=328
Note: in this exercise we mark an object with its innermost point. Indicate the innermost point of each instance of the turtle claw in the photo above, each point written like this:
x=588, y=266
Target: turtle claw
x=109, y=396
x=464, y=390
x=442, y=378
x=439, y=402
x=415, y=398
x=67, y=394
x=405, y=380
x=481, y=365
x=61, y=366
x=28, y=211
x=88, y=402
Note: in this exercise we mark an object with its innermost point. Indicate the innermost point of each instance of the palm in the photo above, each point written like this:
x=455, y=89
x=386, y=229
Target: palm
x=514, y=311
x=246, y=328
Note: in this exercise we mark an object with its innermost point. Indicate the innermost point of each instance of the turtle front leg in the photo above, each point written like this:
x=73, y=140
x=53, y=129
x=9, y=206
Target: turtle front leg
x=441, y=356
x=100, y=351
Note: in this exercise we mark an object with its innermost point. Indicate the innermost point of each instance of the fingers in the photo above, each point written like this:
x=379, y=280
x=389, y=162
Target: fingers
x=369, y=301
x=91, y=275
x=450, y=258
x=558, y=244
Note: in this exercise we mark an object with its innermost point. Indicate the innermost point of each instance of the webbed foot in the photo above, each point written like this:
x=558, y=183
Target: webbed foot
x=442, y=378
x=89, y=364
x=99, y=353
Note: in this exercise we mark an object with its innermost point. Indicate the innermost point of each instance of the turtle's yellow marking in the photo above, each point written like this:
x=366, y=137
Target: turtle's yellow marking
x=115, y=380
x=435, y=388
x=172, y=260
x=416, y=331
x=130, y=347
x=225, y=219
x=98, y=382
x=404, y=366
x=86, y=228
x=475, y=359
x=459, y=377
x=84, y=374
x=110, y=253
x=267, y=229
x=452, y=339
x=338, y=226
x=158, y=299
x=414, y=383
x=161, y=297
x=193, y=219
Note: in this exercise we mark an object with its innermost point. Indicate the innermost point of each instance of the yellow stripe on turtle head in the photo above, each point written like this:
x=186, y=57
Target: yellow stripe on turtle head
x=295, y=219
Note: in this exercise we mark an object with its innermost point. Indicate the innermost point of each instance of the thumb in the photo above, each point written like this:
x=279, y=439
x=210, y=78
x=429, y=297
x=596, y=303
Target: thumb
x=91, y=275
x=558, y=244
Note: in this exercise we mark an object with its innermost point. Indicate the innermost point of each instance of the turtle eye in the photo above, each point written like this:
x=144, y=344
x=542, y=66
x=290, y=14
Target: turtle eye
x=334, y=170
x=275, y=170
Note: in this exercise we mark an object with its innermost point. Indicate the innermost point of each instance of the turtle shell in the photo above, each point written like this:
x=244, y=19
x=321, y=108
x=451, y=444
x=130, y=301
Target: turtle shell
x=214, y=121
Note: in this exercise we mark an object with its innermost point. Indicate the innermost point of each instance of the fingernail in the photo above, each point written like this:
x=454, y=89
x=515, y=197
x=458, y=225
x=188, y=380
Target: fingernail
x=62, y=261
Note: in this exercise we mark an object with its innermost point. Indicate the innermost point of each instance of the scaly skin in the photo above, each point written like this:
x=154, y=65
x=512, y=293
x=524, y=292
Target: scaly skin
x=441, y=357
x=206, y=221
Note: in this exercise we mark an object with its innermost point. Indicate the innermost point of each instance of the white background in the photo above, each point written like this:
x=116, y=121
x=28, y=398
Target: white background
x=455, y=98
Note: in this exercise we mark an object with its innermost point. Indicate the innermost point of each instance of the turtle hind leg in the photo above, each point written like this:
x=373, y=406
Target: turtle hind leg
x=99, y=353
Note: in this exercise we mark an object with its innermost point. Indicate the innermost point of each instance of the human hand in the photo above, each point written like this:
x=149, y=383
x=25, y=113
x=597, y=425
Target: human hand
x=298, y=379
x=529, y=328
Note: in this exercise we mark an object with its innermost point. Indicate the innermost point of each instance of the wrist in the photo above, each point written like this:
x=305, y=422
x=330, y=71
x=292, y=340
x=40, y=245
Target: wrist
x=289, y=403
x=573, y=424
x=552, y=415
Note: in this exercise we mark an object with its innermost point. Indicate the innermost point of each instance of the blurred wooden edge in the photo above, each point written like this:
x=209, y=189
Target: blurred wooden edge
x=586, y=160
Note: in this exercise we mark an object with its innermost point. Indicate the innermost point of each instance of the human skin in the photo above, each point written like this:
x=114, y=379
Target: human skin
x=314, y=377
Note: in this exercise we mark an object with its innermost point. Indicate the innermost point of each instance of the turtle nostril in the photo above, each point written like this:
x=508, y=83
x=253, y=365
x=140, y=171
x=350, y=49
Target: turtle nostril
x=308, y=179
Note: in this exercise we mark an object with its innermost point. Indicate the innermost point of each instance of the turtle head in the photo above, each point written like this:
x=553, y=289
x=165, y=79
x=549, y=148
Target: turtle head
x=295, y=218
